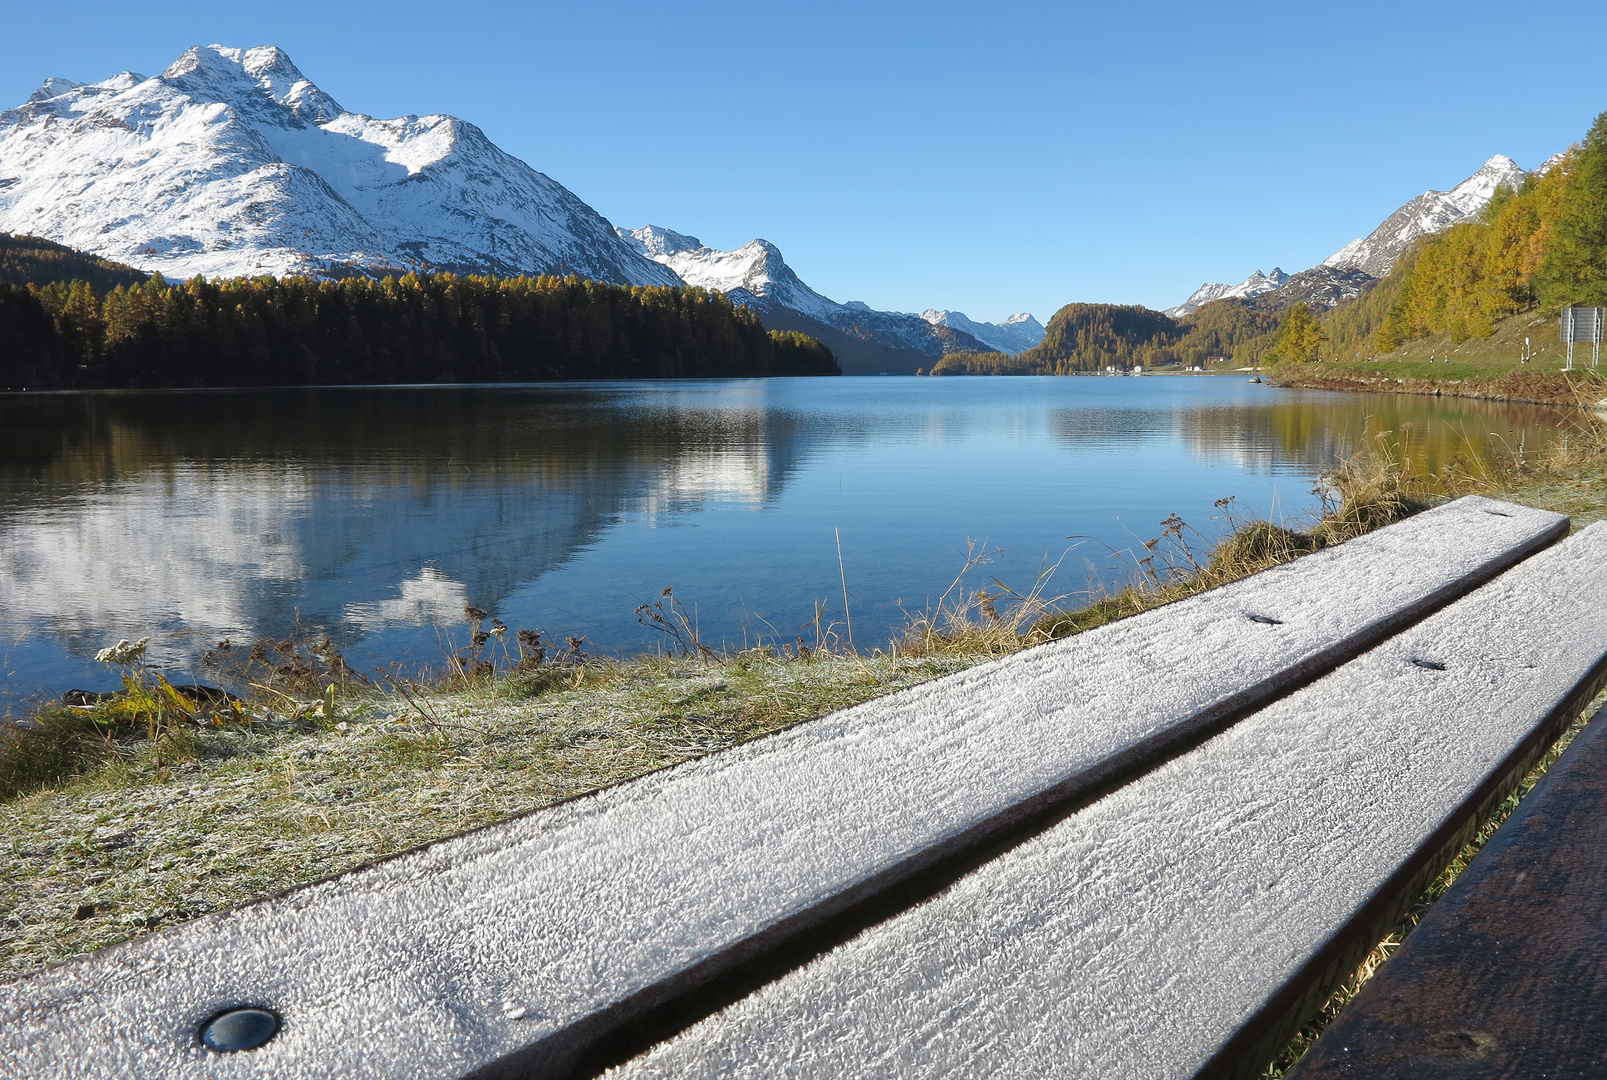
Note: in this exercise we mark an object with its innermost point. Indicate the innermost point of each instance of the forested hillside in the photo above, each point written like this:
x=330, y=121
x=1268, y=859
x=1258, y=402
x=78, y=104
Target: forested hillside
x=29, y=259
x=433, y=328
x=1092, y=337
x=1539, y=249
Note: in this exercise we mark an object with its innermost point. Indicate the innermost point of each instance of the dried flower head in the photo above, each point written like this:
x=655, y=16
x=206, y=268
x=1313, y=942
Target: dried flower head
x=125, y=652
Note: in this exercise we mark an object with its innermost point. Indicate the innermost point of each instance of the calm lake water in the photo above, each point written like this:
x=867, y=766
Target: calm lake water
x=376, y=514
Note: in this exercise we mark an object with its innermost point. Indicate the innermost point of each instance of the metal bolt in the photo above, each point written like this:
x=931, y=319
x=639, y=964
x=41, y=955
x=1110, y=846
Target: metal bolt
x=239, y=1029
x=1497, y=513
x=1429, y=664
x=1267, y=620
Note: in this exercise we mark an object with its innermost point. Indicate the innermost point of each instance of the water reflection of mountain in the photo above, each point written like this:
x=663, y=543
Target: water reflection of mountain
x=228, y=514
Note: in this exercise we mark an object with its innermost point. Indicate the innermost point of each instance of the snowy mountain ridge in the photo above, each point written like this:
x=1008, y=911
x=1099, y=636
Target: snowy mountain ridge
x=1016, y=334
x=1430, y=212
x=1342, y=275
x=232, y=162
x=753, y=274
x=757, y=275
x=1252, y=286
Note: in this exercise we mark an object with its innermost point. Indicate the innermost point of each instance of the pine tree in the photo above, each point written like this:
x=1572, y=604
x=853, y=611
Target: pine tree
x=1574, y=269
x=1299, y=339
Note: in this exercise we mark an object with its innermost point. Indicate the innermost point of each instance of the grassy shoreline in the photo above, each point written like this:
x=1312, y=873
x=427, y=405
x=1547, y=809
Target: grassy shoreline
x=1518, y=387
x=174, y=819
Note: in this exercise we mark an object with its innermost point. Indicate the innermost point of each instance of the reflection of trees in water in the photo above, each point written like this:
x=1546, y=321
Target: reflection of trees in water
x=1426, y=433
x=433, y=435
x=235, y=513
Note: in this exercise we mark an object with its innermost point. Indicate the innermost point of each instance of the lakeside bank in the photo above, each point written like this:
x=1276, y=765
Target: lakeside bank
x=1519, y=386
x=176, y=812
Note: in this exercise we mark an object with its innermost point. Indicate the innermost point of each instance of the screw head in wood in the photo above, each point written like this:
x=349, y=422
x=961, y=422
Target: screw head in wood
x=239, y=1029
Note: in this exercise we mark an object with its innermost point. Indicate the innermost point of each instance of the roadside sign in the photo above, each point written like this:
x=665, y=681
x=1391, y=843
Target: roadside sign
x=1582, y=324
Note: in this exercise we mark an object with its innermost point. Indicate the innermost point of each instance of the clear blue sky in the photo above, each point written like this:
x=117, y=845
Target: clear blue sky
x=985, y=158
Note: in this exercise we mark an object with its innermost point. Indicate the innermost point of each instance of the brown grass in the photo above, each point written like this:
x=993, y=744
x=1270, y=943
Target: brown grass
x=1369, y=490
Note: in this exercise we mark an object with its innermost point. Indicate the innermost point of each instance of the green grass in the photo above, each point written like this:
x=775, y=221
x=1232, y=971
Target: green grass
x=1492, y=367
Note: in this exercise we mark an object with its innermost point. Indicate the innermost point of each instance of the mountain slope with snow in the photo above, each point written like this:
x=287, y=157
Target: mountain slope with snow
x=1430, y=212
x=1351, y=269
x=1016, y=334
x=865, y=340
x=1252, y=286
x=232, y=162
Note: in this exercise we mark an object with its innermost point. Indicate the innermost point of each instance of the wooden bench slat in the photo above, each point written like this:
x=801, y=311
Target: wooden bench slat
x=1507, y=975
x=1174, y=928
x=585, y=916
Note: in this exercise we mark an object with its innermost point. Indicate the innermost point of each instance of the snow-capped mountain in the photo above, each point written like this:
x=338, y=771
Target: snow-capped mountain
x=1430, y=212
x=1254, y=285
x=1345, y=273
x=1320, y=288
x=753, y=274
x=232, y=162
x=864, y=339
x=1018, y=333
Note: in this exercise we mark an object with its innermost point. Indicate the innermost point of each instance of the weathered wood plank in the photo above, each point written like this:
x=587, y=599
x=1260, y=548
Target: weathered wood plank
x=1177, y=927
x=1506, y=977
x=521, y=948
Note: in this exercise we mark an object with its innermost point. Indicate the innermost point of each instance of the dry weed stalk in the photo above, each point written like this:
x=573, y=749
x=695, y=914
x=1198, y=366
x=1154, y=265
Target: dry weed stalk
x=675, y=623
x=973, y=622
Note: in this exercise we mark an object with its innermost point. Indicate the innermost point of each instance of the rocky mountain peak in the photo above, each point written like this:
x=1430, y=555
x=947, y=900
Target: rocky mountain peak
x=51, y=88
x=1018, y=333
x=1500, y=171
x=653, y=241
x=1430, y=212
x=1251, y=287
x=243, y=77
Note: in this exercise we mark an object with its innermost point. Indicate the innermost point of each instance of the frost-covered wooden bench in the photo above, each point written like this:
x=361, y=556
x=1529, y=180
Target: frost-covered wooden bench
x=1138, y=852
x=1507, y=975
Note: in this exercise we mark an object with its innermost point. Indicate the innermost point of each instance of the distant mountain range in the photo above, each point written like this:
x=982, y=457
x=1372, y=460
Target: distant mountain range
x=864, y=339
x=1349, y=270
x=1016, y=334
x=231, y=162
x=1252, y=286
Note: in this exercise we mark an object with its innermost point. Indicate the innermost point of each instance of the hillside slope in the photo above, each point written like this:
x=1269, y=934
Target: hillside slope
x=31, y=260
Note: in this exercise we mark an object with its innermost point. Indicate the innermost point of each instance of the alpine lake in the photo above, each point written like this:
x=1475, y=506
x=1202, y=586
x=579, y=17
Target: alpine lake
x=375, y=516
